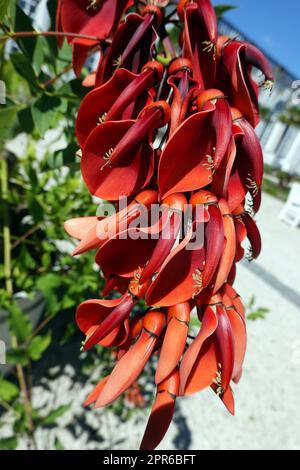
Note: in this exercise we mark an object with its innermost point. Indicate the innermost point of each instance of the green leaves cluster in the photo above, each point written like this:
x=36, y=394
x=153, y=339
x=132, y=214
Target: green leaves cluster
x=44, y=191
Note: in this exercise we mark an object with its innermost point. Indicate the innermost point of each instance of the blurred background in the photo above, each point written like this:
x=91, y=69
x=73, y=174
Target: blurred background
x=45, y=379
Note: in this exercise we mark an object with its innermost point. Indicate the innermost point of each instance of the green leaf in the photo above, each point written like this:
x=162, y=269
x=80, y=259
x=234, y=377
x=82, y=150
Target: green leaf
x=44, y=112
x=8, y=443
x=38, y=345
x=55, y=414
x=8, y=390
x=24, y=67
x=17, y=356
x=221, y=9
x=4, y=4
x=259, y=314
x=25, y=120
x=65, y=157
x=24, y=23
x=7, y=118
x=19, y=323
x=48, y=282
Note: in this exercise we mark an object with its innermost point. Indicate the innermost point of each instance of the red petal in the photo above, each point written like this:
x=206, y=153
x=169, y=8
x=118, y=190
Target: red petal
x=117, y=315
x=228, y=255
x=173, y=344
x=174, y=283
x=123, y=256
x=127, y=369
x=191, y=356
x=98, y=102
x=177, y=173
x=161, y=413
x=224, y=338
x=111, y=183
x=214, y=243
x=96, y=392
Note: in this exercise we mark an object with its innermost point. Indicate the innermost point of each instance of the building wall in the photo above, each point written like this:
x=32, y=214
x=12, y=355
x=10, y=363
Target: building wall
x=281, y=144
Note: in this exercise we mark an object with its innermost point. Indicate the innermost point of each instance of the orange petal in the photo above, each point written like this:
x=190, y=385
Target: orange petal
x=130, y=366
x=96, y=392
x=173, y=344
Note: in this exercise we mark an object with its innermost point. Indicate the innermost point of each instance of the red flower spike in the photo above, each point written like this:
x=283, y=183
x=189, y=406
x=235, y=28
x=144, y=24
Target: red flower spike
x=98, y=318
x=208, y=154
x=174, y=340
x=129, y=367
x=162, y=412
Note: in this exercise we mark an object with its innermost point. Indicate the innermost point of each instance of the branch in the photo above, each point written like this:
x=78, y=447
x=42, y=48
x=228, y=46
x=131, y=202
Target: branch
x=30, y=34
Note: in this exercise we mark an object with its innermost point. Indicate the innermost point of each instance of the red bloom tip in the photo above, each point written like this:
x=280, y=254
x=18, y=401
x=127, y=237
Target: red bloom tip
x=209, y=96
x=177, y=65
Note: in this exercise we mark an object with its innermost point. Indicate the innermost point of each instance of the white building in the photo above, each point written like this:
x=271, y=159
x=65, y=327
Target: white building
x=281, y=143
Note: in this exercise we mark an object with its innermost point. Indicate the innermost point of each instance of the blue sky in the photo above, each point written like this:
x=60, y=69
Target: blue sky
x=272, y=24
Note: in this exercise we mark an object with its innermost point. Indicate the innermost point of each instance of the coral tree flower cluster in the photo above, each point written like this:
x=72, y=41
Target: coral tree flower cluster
x=173, y=128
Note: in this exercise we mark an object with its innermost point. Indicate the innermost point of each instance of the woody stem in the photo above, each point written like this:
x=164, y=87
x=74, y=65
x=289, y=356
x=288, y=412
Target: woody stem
x=24, y=34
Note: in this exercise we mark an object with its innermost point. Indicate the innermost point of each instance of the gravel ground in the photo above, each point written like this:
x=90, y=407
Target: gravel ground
x=267, y=403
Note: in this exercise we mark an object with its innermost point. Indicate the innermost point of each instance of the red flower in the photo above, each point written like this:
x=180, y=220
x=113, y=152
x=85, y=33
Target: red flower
x=200, y=39
x=118, y=158
x=111, y=101
x=87, y=17
x=238, y=60
x=204, y=137
x=167, y=132
x=131, y=45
